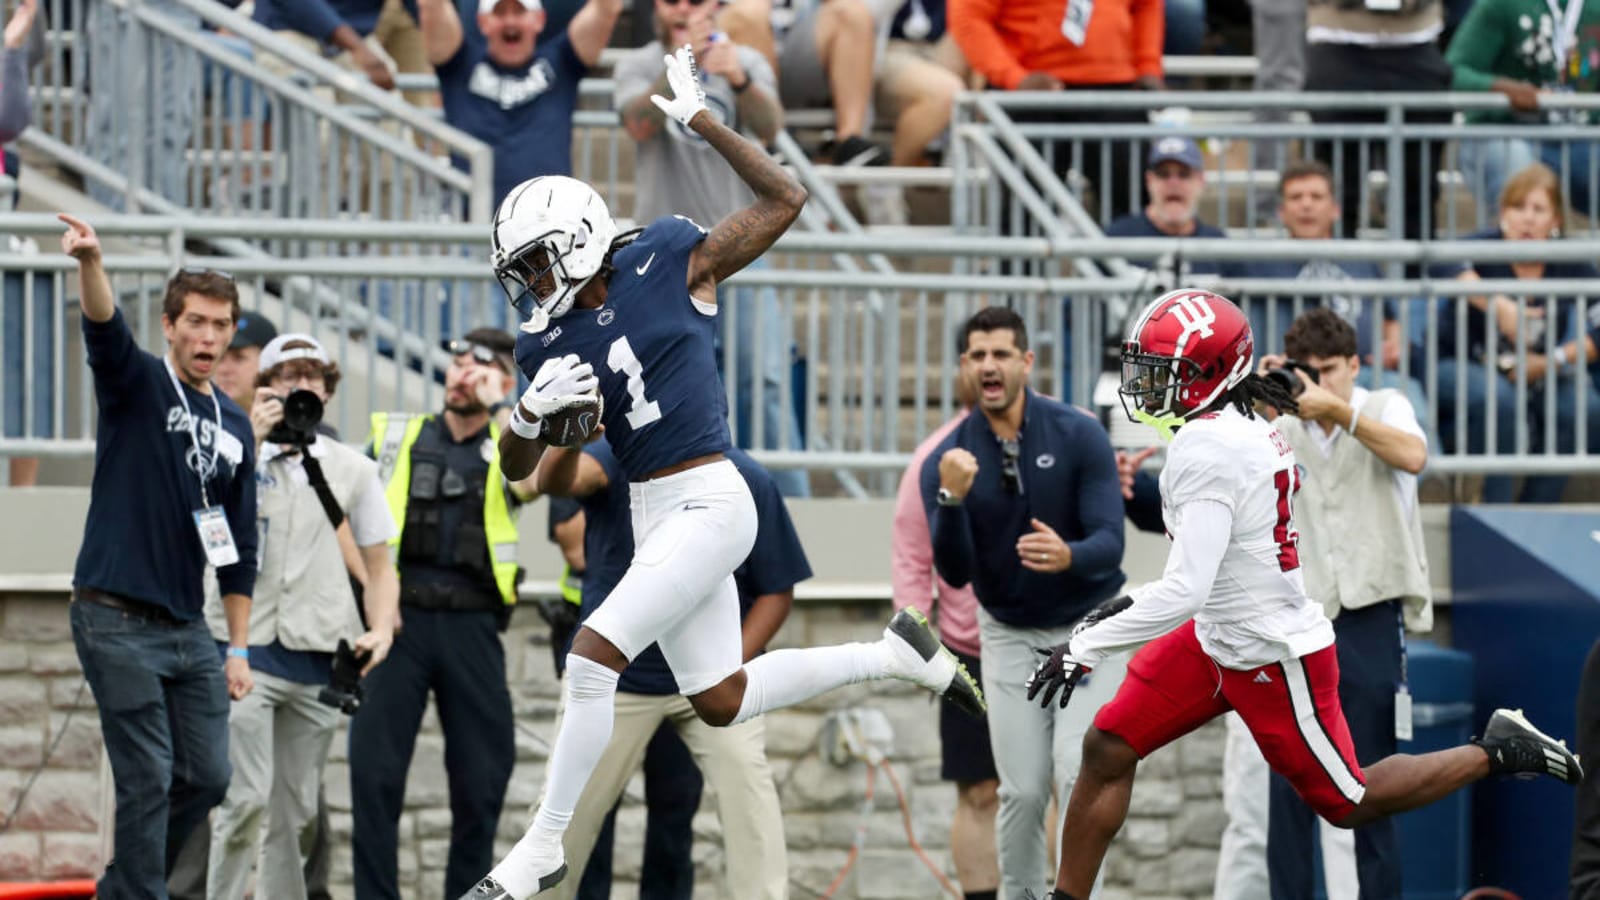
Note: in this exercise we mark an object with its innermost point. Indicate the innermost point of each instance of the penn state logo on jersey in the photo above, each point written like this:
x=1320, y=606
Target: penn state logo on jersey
x=511, y=91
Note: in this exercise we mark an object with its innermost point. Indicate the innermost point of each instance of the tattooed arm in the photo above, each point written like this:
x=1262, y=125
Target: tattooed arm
x=743, y=236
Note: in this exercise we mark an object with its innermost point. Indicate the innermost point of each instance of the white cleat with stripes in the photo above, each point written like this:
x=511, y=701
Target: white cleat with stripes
x=1515, y=747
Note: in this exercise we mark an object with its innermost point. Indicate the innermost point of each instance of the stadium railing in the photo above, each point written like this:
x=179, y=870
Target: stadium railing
x=253, y=143
x=876, y=378
x=1245, y=156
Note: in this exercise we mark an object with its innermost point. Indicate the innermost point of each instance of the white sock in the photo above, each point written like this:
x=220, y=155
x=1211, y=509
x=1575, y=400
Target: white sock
x=585, y=730
x=786, y=677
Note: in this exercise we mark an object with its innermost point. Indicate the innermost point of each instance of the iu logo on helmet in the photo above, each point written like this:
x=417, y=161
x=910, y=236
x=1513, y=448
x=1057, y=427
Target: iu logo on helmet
x=1194, y=313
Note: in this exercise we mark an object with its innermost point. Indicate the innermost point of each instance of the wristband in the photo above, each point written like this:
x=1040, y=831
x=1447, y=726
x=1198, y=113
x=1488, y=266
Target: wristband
x=521, y=426
x=239, y=653
x=741, y=88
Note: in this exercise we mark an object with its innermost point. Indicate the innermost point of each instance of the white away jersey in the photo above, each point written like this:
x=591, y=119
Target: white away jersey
x=1258, y=611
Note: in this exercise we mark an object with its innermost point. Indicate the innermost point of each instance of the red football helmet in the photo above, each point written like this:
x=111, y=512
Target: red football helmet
x=1184, y=351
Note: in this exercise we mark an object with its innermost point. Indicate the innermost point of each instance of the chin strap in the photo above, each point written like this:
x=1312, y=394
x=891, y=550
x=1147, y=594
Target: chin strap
x=1166, y=426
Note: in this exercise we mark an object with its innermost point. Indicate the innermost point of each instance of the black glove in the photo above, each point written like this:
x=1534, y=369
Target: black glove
x=1058, y=671
x=1099, y=614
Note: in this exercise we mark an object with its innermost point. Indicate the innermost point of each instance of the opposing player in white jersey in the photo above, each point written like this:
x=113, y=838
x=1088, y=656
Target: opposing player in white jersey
x=637, y=309
x=1229, y=625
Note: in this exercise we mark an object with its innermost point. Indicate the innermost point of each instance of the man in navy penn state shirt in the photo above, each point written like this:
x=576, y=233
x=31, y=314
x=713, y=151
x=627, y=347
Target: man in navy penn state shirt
x=733, y=758
x=512, y=91
x=1025, y=504
x=174, y=486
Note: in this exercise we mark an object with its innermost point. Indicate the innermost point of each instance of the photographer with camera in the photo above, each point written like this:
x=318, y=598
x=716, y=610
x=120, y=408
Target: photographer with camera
x=1361, y=551
x=315, y=561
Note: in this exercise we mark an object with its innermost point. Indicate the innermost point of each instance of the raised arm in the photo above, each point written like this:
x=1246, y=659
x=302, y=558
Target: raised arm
x=441, y=30
x=94, y=288
x=746, y=234
x=590, y=30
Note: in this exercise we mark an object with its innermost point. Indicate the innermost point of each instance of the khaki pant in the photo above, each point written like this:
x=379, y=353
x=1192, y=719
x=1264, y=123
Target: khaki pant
x=734, y=763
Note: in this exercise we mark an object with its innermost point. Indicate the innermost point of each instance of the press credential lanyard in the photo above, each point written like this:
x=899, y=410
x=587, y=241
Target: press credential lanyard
x=194, y=435
x=209, y=521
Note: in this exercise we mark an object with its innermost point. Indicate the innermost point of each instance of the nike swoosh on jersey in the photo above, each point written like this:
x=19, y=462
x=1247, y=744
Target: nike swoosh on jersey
x=640, y=270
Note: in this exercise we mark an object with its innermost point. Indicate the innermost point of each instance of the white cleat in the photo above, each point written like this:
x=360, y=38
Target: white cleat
x=920, y=658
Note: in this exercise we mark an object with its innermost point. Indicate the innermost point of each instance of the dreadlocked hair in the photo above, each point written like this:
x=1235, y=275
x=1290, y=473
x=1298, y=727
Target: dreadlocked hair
x=1255, y=389
x=620, y=241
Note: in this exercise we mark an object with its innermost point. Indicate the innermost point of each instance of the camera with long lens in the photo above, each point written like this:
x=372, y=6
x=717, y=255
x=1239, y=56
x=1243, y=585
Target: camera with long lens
x=343, y=691
x=302, y=413
x=1287, y=377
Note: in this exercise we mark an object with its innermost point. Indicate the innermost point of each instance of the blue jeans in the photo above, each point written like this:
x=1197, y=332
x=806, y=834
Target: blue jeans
x=1548, y=488
x=164, y=718
x=29, y=385
x=758, y=308
x=1496, y=488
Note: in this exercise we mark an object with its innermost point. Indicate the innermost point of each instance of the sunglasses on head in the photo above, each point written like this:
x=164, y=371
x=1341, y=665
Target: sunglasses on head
x=691, y=2
x=204, y=270
x=1010, y=471
x=478, y=352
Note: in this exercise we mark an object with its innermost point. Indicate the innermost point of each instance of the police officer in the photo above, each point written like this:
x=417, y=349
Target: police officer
x=456, y=553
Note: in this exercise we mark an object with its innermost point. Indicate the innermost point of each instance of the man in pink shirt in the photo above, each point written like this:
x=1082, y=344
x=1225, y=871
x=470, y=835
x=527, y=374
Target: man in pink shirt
x=968, y=760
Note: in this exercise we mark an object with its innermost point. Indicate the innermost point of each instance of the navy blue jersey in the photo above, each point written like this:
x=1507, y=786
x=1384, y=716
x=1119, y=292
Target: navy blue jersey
x=651, y=346
x=776, y=563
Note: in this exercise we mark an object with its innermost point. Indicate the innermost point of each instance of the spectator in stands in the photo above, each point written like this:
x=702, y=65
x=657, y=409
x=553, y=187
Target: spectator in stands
x=1024, y=504
x=1362, y=555
x=915, y=84
x=374, y=37
x=732, y=758
x=678, y=173
x=1310, y=211
x=919, y=28
x=131, y=70
x=1521, y=49
x=303, y=609
x=1174, y=178
x=458, y=576
x=1362, y=48
x=965, y=755
x=239, y=366
x=511, y=91
x=174, y=495
x=824, y=53
x=1185, y=27
x=1506, y=333
x=1104, y=45
x=29, y=300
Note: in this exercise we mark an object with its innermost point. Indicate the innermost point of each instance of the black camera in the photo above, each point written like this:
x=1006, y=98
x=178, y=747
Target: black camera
x=302, y=413
x=1286, y=378
x=343, y=691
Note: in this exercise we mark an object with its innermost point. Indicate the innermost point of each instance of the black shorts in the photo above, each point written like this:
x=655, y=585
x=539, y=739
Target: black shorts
x=966, y=754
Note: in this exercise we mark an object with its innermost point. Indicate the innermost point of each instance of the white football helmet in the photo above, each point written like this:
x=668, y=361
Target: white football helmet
x=551, y=235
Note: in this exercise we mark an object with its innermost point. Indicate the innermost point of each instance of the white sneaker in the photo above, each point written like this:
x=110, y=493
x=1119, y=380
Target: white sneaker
x=920, y=658
x=544, y=867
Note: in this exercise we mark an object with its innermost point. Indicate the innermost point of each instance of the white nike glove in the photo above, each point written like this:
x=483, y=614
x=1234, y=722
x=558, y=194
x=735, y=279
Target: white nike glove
x=560, y=383
x=688, y=97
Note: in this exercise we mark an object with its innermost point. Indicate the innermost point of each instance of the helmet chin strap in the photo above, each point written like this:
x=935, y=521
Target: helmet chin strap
x=1165, y=425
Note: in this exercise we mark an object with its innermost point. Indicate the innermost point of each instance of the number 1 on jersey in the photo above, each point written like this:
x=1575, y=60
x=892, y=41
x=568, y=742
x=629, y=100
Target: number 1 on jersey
x=1287, y=481
x=620, y=358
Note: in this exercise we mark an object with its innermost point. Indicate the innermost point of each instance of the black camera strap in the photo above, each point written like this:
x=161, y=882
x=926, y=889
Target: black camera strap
x=336, y=517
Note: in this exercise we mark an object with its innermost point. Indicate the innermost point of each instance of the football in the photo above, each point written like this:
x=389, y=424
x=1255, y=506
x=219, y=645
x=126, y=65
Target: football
x=572, y=425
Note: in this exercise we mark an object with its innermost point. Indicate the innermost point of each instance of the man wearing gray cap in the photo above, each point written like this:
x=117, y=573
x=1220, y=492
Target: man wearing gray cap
x=1174, y=179
x=512, y=91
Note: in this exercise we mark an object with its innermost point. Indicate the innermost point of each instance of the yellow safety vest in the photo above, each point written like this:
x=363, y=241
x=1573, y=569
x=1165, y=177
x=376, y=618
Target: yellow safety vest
x=392, y=437
x=571, y=586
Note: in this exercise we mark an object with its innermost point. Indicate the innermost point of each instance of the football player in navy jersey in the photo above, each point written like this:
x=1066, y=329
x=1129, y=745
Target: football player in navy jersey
x=632, y=316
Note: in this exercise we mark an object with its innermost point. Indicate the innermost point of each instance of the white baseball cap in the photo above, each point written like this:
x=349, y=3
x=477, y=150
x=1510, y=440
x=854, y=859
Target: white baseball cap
x=486, y=7
x=275, y=353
